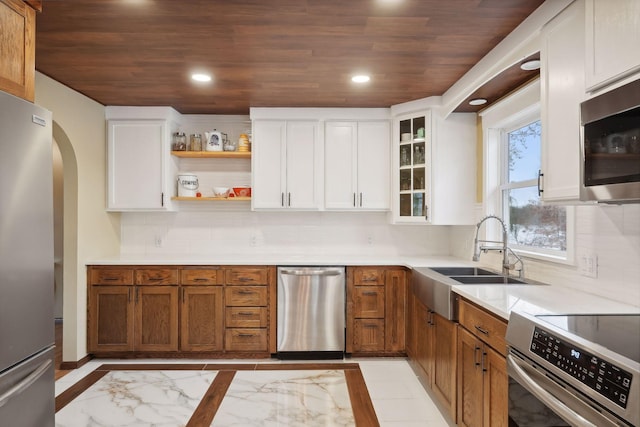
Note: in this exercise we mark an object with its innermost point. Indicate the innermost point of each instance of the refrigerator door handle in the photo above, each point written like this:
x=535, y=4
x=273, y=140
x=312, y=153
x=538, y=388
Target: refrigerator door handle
x=25, y=383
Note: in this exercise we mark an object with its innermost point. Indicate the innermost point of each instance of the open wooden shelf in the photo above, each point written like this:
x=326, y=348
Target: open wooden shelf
x=212, y=154
x=211, y=199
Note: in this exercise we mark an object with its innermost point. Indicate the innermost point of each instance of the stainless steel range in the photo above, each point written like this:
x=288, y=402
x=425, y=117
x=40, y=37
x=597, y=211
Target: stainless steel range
x=578, y=370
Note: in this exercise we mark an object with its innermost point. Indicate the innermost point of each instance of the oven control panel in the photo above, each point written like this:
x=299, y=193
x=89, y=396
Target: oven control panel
x=605, y=378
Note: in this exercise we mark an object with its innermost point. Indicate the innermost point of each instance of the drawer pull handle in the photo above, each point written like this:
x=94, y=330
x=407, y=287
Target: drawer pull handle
x=246, y=335
x=245, y=279
x=482, y=330
x=200, y=279
x=370, y=326
x=110, y=279
x=246, y=292
x=155, y=279
x=370, y=293
x=244, y=313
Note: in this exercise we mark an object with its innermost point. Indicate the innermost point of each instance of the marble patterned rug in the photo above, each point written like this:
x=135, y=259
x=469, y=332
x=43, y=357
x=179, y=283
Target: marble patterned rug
x=229, y=395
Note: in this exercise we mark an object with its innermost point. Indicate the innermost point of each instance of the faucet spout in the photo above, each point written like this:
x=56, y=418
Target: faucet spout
x=504, y=248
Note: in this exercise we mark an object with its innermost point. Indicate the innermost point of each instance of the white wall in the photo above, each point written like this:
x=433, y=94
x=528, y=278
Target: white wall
x=89, y=231
x=611, y=233
x=207, y=232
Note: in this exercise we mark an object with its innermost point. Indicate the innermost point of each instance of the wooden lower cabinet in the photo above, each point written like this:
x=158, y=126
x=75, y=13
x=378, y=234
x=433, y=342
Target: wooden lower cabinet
x=482, y=383
x=156, y=318
x=376, y=310
x=201, y=318
x=133, y=318
x=110, y=319
x=173, y=309
x=434, y=355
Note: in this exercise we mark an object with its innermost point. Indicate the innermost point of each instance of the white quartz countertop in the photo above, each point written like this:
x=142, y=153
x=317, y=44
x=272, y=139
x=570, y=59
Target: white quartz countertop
x=499, y=299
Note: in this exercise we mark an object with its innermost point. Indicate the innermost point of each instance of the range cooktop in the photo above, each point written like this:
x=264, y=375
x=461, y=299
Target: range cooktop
x=619, y=333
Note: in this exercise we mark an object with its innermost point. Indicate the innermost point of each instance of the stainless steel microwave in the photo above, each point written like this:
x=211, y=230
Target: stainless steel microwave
x=610, y=146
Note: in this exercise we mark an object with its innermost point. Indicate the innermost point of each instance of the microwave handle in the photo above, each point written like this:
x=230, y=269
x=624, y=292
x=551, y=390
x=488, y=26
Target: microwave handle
x=547, y=398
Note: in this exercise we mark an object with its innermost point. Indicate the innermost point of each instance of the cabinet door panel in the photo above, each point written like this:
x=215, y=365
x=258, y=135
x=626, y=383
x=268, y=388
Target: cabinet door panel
x=135, y=163
x=444, y=362
x=340, y=173
x=17, y=68
x=301, y=168
x=374, y=167
x=110, y=319
x=156, y=318
x=395, y=310
x=201, y=326
x=496, y=392
x=424, y=341
x=470, y=380
x=269, y=166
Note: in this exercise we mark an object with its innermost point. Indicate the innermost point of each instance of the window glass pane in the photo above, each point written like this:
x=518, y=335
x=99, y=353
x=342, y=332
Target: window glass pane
x=532, y=224
x=524, y=152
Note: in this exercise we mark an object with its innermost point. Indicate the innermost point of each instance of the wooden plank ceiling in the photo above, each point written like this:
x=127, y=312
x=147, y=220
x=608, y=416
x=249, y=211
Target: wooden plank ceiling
x=267, y=53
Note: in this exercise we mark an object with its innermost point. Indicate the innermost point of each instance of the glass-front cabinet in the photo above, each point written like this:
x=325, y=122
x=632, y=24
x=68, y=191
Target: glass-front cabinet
x=412, y=146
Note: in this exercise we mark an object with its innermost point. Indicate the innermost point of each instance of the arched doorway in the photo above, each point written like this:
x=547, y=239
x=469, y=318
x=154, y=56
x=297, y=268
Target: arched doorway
x=67, y=227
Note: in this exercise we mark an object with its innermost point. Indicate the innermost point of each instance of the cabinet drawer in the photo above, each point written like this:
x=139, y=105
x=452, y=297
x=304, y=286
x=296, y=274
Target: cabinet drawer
x=157, y=276
x=483, y=325
x=246, y=296
x=245, y=339
x=368, y=335
x=111, y=276
x=368, y=276
x=246, y=317
x=247, y=276
x=368, y=302
x=201, y=276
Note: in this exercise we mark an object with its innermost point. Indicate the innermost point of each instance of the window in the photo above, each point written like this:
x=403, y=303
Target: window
x=512, y=159
x=532, y=227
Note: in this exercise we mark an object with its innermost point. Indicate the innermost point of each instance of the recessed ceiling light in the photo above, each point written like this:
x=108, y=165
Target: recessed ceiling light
x=533, y=64
x=478, y=101
x=200, y=77
x=361, y=78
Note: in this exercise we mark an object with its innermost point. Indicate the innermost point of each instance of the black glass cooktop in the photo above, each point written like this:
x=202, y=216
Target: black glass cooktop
x=619, y=333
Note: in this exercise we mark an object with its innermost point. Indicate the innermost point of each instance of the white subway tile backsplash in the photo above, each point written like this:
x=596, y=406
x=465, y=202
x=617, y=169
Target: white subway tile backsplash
x=611, y=233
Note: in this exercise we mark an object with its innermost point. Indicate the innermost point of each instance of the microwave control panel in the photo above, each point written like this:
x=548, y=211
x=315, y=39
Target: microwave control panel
x=604, y=377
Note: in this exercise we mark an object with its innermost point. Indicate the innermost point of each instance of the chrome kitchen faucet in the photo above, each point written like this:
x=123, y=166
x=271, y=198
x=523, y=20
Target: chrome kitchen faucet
x=505, y=249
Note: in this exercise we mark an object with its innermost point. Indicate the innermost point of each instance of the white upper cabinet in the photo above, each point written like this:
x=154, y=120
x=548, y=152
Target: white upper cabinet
x=137, y=156
x=284, y=164
x=434, y=168
x=357, y=165
x=562, y=90
x=612, y=41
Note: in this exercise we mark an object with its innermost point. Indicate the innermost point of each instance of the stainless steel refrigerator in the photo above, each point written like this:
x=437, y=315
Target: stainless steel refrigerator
x=27, y=355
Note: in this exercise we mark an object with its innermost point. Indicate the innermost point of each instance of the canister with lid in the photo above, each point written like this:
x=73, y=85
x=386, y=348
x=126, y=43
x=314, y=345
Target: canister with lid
x=179, y=142
x=196, y=142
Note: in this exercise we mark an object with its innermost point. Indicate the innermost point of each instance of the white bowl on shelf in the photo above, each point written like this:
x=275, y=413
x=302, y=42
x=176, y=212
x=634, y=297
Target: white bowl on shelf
x=220, y=191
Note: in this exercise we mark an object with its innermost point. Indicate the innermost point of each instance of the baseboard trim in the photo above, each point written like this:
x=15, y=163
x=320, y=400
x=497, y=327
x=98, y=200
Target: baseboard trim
x=67, y=366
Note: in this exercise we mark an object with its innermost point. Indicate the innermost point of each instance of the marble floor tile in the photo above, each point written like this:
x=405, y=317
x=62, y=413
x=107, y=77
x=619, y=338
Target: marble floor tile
x=138, y=398
x=286, y=398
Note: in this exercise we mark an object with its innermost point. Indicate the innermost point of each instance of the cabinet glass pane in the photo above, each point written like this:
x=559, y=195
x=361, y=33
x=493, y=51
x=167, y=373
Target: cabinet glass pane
x=418, y=204
x=405, y=127
x=405, y=155
x=405, y=205
x=418, y=127
x=418, y=179
x=405, y=179
x=418, y=153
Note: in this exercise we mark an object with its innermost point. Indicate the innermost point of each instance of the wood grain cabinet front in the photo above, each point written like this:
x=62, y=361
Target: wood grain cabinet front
x=110, y=319
x=482, y=370
x=376, y=310
x=249, y=297
x=201, y=318
x=17, y=46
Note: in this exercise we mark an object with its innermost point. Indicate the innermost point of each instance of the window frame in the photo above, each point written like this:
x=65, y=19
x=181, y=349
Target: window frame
x=515, y=111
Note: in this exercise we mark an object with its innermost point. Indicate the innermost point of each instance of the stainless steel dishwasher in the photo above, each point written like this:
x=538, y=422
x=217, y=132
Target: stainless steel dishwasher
x=311, y=312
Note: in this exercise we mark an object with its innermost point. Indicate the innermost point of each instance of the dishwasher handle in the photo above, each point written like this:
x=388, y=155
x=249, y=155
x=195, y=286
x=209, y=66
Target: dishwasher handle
x=312, y=272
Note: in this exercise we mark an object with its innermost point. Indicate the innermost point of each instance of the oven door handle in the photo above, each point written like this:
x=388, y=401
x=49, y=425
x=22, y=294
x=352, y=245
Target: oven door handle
x=547, y=398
